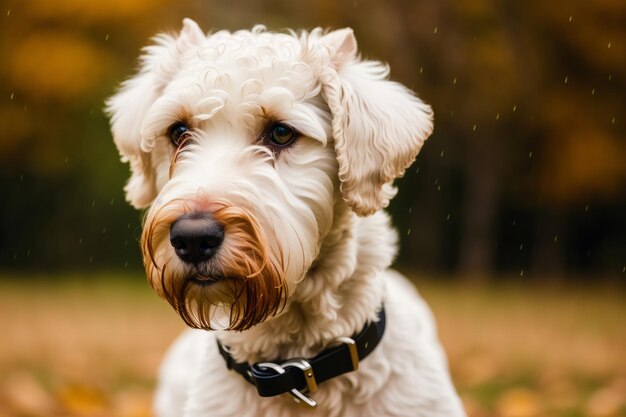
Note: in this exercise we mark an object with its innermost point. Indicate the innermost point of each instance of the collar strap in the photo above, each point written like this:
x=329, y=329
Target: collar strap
x=298, y=375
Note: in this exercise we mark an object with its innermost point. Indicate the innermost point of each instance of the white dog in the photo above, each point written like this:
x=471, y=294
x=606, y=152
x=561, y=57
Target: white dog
x=265, y=160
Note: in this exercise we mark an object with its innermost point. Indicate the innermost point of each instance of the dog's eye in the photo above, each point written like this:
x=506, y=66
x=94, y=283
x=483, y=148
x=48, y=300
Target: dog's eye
x=281, y=134
x=177, y=132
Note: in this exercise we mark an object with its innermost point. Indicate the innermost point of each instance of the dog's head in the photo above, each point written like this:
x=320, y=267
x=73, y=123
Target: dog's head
x=243, y=145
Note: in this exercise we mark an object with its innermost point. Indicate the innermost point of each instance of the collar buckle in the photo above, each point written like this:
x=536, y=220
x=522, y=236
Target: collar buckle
x=354, y=353
x=298, y=396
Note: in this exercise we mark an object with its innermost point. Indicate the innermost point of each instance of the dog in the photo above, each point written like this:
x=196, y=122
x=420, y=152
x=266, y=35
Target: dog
x=265, y=161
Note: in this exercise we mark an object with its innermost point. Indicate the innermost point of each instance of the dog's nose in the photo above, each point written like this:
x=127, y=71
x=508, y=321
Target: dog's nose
x=196, y=237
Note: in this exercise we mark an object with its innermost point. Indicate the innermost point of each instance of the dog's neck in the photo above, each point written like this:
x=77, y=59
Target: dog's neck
x=340, y=293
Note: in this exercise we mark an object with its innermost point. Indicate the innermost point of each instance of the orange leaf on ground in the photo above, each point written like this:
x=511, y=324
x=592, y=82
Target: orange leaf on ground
x=25, y=396
x=83, y=400
x=519, y=402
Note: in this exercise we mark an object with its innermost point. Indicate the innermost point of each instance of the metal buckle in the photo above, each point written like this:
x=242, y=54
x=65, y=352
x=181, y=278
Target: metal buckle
x=354, y=354
x=307, y=370
x=298, y=396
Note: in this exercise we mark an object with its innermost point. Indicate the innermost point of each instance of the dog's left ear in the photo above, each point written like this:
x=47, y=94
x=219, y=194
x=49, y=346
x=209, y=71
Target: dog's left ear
x=128, y=107
x=379, y=125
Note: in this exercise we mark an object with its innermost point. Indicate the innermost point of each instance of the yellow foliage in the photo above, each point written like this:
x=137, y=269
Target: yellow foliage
x=92, y=10
x=582, y=163
x=56, y=65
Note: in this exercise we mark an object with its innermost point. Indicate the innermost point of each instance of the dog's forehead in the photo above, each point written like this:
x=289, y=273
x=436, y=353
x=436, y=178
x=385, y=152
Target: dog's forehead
x=241, y=52
x=242, y=72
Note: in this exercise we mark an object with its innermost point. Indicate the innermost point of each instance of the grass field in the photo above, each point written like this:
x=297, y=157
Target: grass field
x=90, y=346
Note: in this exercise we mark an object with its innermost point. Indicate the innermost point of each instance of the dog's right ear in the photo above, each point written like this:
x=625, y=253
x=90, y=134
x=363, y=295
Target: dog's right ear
x=129, y=106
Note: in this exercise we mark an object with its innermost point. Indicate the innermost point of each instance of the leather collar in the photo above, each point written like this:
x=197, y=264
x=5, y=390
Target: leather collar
x=298, y=376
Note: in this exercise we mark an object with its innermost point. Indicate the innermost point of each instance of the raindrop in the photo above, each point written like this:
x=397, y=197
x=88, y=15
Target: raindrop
x=93, y=203
x=104, y=230
x=8, y=12
x=106, y=38
x=439, y=188
x=593, y=91
x=28, y=252
x=530, y=154
x=410, y=210
x=609, y=45
x=521, y=274
x=448, y=216
x=112, y=201
x=521, y=246
x=80, y=241
x=421, y=70
x=570, y=18
x=126, y=243
x=12, y=95
x=610, y=76
x=474, y=128
x=417, y=171
x=587, y=208
x=556, y=237
x=408, y=232
x=498, y=116
x=514, y=221
x=613, y=121
x=126, y=264
x=454, y=81
x=90, y=259
x=66, y=159
x=435, y=31
x=565, y=80
x=442, y=152
x=515, y=107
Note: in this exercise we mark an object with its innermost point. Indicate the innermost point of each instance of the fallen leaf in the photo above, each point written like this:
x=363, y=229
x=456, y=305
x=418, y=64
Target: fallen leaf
x=519, y=402
x=24, y=395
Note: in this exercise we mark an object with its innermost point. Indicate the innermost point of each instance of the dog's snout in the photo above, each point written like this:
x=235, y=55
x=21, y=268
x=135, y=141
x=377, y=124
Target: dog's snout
x=196, y=237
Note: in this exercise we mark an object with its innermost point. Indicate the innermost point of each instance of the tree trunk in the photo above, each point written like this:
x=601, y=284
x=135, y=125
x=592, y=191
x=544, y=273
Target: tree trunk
x=477, y=246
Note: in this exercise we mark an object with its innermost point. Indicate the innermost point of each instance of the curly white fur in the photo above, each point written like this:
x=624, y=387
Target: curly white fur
x=311, y=211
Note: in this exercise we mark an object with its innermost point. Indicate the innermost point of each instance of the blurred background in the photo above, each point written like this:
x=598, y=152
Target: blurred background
x=511, y=220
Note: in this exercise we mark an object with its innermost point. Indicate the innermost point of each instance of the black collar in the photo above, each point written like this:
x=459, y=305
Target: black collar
x=300, y=375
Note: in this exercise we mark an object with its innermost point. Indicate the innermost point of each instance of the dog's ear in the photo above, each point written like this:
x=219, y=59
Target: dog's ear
x=379, y=125
x=128, y=107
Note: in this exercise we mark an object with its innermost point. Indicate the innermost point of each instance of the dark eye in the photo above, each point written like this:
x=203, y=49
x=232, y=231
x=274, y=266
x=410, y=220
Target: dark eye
x=177, y=132
x=281, y=134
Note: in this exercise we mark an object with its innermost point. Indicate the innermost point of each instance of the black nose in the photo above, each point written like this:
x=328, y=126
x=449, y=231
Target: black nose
x=196, y=237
